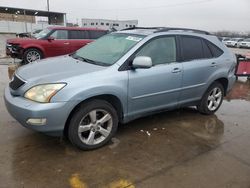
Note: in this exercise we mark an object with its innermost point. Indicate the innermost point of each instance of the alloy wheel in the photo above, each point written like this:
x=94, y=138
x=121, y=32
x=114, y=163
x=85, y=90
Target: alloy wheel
x=95, y=127
x=33, y=56
x=214, y=99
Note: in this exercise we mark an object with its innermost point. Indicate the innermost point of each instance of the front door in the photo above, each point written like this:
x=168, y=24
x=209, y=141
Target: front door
x=159, y=86
x=60, y=44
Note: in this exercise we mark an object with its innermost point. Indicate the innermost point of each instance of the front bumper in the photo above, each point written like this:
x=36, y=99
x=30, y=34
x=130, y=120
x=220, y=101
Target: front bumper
x=14, y=51
x=22, y=109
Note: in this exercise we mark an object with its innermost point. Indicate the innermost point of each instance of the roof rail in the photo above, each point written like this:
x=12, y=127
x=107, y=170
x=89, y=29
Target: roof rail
x=163, y=29
x=131, y=28
x=182, y=29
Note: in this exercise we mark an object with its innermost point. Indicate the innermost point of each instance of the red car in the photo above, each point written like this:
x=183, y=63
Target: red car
x=53, y=41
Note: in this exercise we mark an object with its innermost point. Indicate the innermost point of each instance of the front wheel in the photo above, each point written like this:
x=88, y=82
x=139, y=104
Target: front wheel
x=93, y=125
x=212, y=99
x=31, y=55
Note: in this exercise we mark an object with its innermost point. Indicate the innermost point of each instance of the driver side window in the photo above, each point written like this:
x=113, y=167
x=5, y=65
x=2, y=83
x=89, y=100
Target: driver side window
x=60, y=34
x=161, y=50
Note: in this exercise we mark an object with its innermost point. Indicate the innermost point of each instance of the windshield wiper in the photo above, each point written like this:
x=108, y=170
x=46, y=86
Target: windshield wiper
x=75, y=56
x=81, y=58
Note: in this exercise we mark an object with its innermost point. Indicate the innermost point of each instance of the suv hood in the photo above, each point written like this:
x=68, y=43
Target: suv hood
x=56, y=69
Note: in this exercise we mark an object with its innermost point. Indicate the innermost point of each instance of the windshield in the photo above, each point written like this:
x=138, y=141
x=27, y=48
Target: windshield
x=42, y=33
x=108, y=49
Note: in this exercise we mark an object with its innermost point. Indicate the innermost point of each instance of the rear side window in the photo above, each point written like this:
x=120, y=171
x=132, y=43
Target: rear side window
x=191, y=48
x=78, y=34
x=206, y=51
x=198, y=48
x=96, y=34
x=216, y=51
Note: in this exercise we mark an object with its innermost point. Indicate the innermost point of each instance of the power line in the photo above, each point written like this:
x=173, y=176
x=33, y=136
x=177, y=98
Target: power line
x=153, y=7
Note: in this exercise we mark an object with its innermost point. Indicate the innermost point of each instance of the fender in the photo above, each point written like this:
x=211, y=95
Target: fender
x=117, y=92
x=39, y=47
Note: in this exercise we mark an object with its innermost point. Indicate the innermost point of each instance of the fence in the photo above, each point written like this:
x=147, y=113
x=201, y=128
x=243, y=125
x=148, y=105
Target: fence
x=19, y=27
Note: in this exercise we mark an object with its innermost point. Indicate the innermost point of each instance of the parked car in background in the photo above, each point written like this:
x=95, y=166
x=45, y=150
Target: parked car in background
x=52, y=41
x=120, y=77
x=224, y=39
x=23, y=35
x=28, y=34
x=244, y=44
x=233, y=42
x=35, y=32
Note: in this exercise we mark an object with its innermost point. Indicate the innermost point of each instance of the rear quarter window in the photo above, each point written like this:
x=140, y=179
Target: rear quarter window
x=216, y=51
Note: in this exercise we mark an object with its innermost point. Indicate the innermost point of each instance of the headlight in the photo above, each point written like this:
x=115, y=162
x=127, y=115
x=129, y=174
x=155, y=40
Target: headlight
x=43, y=93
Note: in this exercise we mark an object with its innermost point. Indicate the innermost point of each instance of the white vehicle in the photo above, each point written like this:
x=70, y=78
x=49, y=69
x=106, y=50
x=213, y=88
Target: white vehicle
x=225, y=39
x=244, y=44
x=233, y=42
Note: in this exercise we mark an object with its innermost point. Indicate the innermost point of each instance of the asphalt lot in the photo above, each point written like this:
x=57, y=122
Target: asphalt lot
x=178, y=149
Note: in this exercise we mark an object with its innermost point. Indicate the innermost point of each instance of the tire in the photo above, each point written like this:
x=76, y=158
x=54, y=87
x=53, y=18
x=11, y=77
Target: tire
x=212, y=99
x=32, y=54
x=86, y=129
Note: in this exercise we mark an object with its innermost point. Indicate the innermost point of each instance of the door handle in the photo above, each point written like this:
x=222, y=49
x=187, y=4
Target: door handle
x=213, y=64
x=176, y=70
x=66, y=43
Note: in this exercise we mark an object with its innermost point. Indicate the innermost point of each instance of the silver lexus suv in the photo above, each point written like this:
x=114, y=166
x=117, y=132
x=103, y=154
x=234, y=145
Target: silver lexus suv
x=118, y=78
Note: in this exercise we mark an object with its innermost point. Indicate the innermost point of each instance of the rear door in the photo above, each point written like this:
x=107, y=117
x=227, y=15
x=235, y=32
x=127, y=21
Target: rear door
x=159, y=86
x=78, y=39
x=60, y=45
x=199, y=59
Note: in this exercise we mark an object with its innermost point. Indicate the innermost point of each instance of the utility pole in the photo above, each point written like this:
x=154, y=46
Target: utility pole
x=48, y=5
x=48, y=12
x=25, y=21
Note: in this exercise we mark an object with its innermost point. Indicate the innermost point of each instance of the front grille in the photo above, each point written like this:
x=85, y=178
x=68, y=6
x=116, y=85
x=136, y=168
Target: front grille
x=16, y=83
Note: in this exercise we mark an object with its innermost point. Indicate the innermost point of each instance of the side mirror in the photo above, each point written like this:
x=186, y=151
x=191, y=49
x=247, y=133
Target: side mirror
x=50, y=38
x=142, y=62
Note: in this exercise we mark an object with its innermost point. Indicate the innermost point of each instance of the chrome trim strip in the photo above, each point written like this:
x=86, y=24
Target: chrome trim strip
x=194, y=86
x=169, y=91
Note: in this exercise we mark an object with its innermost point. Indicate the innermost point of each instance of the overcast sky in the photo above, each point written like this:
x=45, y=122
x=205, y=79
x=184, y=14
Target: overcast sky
x=211, y=15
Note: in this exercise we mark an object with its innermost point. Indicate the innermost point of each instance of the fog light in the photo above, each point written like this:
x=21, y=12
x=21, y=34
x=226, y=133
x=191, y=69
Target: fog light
x=36, y=121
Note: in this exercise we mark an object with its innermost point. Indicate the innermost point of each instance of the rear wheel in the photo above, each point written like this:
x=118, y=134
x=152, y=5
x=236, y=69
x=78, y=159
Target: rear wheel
x=93, y=125
x=212, y=99
x=31, y=55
